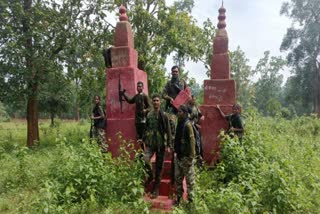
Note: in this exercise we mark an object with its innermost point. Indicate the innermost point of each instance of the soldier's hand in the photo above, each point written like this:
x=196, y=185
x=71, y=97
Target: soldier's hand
x=122, y=92
x=168, y=149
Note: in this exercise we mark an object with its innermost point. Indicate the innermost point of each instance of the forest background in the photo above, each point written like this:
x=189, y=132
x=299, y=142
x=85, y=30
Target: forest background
x=46, y=73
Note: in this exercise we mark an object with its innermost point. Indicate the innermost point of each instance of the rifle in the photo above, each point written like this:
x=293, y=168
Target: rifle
x=120, y=93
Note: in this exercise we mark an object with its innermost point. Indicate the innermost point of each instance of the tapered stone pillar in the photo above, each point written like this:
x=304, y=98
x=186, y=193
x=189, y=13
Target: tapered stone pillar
x=219, y=89
x=125, y=73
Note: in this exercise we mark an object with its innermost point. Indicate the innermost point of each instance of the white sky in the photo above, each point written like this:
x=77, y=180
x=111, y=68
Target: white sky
x=254, y=25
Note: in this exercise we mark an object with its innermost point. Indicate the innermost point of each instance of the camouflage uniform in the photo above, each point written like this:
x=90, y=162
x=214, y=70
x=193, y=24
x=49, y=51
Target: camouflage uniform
x=142, y=102
x=99, y=127
x=172, y=89
x=157, y=136
x=195, y=116
x=185, y=149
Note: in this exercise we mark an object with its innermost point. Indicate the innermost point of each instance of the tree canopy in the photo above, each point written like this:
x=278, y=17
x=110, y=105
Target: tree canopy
x=302, y=40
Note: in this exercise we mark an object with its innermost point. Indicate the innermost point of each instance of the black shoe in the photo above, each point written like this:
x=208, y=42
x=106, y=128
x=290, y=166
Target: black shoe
x=155, y=194
x=177, y=202
x=149, y=180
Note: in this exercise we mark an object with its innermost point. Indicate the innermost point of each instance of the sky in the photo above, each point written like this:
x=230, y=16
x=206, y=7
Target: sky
x=254, y=25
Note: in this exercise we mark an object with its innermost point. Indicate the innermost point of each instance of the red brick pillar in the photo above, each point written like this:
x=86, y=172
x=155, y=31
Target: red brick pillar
x=219, y=89
x=124, y=70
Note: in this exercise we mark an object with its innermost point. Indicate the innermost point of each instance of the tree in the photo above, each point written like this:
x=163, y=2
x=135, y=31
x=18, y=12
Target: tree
x=302, y=40
x=54, y=96
x=161, y=30
x=35, y=37
x=268, y=87
x=294, y=94
x=241, y=72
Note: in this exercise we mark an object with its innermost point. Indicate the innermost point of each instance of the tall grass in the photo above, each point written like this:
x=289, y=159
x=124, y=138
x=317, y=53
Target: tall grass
x=66, y=173
x=275, y=169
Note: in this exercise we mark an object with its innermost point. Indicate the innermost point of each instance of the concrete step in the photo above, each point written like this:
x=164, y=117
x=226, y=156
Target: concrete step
x=165, y=188
x=161, y=203
x=166, y=169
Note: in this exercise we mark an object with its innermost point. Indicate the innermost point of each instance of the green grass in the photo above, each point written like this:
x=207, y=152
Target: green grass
x=275, y=169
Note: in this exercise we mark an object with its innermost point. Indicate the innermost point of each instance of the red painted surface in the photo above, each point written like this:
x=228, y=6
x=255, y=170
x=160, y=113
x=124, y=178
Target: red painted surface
x=210, y=129
x=123, y=35
x=124, y=69
x=220, y=68
x=221, y=44
x=124, y=56
x=182, y=98
x=219, y=90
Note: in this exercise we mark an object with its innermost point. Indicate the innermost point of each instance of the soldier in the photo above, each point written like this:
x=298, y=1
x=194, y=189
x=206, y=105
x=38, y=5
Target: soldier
x=170, y=92
x=99, y=124
x=172, y=89
x=157, y=137
x=236, y=123
x=184, y=148
x=143, y=106
x=195, y=116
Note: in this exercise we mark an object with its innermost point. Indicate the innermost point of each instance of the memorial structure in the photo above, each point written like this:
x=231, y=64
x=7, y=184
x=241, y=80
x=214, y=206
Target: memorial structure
x=123, y=73
x=218, y=90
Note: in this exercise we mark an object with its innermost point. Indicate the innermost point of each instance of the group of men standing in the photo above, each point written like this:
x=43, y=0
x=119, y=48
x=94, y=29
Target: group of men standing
x=158, y=132
x=175, y=130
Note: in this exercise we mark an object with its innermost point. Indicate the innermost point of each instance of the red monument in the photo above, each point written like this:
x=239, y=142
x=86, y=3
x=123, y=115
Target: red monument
x=219, y=89
x=124, y=73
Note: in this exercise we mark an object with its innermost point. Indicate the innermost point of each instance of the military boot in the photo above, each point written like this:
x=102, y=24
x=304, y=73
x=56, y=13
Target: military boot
x=155, y=192
x=177, y=202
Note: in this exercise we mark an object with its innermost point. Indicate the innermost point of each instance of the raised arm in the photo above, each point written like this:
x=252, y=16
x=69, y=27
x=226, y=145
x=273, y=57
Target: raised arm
x=221, y=112
x=147, y=104
x=165, y=94
x=127, y=98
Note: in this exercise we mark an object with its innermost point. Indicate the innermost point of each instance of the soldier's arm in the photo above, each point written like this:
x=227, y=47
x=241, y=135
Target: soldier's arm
x=101, y=114
x=147, y=103
x=191, y=140
x=165, y=93
x=221, y=112
x=129, y=99
x=169, y=134
x=146, y=130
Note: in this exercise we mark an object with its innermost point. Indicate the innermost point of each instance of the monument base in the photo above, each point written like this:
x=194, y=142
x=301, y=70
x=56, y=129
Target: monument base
x=211, y=126
x=121, y=131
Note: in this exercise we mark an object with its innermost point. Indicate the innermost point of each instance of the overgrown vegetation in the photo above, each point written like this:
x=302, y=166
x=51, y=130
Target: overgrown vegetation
x=275, y=169
x=66, y=173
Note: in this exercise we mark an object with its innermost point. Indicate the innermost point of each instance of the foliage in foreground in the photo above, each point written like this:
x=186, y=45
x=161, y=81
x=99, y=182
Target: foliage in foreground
x=275, y=169
x=68, y=174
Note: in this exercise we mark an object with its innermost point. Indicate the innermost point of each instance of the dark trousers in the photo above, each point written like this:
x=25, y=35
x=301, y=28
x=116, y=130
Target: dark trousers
x=140, y=128
x=148, y=153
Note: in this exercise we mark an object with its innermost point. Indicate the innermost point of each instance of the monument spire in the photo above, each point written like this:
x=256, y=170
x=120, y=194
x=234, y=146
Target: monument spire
x=123, y=16
x=218, y=90
x=222, y=17
x=220, y=68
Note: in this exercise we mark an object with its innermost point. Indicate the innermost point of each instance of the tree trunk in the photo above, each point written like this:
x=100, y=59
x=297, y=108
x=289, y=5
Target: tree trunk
x=32, y=105
x=77, y=111
x=52, y=118
x=32, y=120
